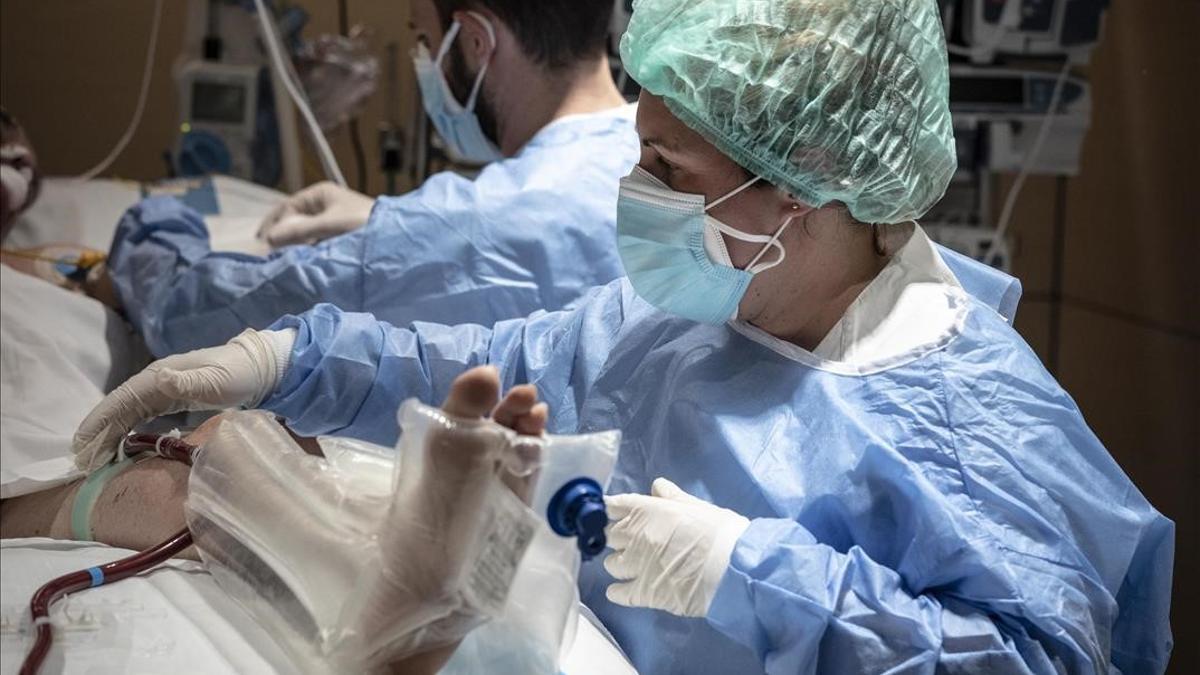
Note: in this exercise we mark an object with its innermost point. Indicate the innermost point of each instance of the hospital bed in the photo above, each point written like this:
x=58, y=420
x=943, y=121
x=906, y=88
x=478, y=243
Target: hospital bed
x=61, y=352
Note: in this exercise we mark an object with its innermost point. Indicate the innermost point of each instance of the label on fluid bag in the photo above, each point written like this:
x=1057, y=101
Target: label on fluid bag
x=504, y=543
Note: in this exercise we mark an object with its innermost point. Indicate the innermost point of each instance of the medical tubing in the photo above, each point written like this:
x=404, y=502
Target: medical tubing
x=324, y=152
x=360, y=155
x=86, y=260
x=167, y=447
x=147, y=71
x=39, y=606
x=1010, y=199
x=100, y=575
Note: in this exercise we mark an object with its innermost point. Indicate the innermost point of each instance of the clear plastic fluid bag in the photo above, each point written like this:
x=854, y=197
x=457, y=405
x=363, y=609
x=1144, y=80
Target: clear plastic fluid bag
x=369, y=555
x=339, y=74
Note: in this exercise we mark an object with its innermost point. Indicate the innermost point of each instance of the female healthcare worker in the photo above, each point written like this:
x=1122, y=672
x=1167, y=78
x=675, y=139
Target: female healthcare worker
x=854, y=466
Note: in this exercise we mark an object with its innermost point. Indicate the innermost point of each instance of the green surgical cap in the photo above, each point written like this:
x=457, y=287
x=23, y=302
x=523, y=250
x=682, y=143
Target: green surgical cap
x=831, y=100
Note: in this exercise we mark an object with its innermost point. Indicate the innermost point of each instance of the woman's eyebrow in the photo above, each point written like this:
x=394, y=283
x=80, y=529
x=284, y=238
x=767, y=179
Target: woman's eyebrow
x=665, y=147
x=658, y=141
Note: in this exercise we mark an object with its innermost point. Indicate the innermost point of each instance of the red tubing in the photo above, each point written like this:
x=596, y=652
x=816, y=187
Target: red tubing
x=168, y=447
x=39, y=605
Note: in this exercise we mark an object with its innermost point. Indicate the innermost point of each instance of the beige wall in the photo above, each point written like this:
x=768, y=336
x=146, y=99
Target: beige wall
x=1129, y=329
x=70, y=70
x=1129, y=318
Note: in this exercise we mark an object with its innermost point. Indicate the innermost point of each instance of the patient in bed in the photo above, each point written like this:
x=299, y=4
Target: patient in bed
x=69, y=266
x=20, y=179
x=144, y=504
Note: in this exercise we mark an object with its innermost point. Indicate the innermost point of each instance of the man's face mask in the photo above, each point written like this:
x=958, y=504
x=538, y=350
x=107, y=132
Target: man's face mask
x=457, y=123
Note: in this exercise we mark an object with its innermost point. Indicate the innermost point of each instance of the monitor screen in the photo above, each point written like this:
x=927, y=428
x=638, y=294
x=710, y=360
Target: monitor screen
x=967, y=91
x=217, y=102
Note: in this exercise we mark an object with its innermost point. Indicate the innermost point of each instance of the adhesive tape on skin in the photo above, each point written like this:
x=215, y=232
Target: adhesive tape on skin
x=89, y=494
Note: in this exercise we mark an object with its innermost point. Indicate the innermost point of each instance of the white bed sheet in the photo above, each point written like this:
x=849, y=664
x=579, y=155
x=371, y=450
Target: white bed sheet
x=174, y=619
x=60, y=352
x=86, y=213
x=171, y=620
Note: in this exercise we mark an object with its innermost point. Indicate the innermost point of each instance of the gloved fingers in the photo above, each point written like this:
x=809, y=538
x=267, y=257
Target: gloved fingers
x=627, y=594
x=310, y=201
x=288, y=229
x=619, y=506
x=130, y=404
x=193, y=389
x=621, y=533
x=96, y=450
x=274, y=216
x=619, y=565
x=663, y=487
x=305, y=229
x=624, y=527
x=288, y=208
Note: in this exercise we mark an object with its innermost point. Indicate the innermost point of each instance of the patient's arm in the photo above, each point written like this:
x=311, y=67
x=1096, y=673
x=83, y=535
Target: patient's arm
x=139, y=508
x=143, y=505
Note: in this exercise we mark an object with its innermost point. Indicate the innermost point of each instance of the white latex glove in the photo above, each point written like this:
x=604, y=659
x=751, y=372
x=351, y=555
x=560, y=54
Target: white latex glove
x=315, y=213
x=242, y=372
x=670, y=549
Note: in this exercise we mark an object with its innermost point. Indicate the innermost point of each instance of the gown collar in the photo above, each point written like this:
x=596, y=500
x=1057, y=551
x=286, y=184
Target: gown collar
x=914, y=306
x=569, y=128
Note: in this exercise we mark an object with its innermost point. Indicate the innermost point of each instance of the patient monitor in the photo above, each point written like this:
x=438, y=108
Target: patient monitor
x=218, y=104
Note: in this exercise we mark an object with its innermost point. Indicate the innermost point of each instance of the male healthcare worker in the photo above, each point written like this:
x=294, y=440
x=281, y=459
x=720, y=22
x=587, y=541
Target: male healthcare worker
x=525, y=86
x=854, y=464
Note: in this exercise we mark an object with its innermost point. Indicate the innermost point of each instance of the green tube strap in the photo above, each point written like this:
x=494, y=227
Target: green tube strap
x=89, y=493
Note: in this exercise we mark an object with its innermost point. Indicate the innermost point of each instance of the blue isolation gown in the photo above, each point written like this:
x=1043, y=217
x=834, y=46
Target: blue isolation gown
x=947, y=511
x=531, y=232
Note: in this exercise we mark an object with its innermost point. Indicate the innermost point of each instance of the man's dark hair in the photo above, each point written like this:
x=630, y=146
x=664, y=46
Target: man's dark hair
x=554, y=33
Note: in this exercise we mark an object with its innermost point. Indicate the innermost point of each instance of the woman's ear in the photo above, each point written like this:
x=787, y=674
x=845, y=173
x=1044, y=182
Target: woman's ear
x=793, y=207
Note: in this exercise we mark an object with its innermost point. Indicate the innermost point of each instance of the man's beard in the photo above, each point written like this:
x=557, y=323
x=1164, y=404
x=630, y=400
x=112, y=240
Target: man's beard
x=461, y=81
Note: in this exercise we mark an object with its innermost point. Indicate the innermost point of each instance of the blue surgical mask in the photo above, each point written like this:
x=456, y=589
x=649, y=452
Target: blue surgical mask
x=458, y=125
x=673, y=252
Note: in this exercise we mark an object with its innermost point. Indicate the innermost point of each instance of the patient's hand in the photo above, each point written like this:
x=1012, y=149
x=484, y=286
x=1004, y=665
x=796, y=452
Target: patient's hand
x=55, y=264
x=51, y=263
x=98, y=285
x=428, y=536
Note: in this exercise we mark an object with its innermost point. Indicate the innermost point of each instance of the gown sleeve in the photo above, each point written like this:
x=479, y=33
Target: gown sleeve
x=182, y=296
x=349, y=373
x=800, y=604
